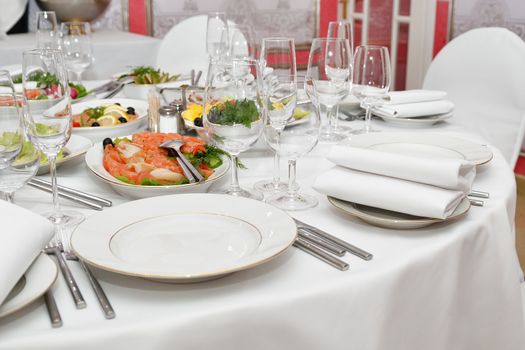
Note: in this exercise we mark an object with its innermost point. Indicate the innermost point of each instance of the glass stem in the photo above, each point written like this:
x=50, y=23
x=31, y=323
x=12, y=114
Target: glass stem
x=9, y=196
x=330, y=121
x=292, y=186
x=79, y=77
x=277, y=165
x=334, y=118
x=235, y=177
x=368, y=116
x=53, y=173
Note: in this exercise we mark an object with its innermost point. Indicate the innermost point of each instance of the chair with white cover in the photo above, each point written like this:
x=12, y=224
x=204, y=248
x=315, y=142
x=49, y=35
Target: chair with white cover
x=483, y=72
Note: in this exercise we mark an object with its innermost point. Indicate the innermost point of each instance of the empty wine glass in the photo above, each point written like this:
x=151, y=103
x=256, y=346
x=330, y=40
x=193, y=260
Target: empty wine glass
x=217, y=37
x=328, y=79
x=372, y=79
x=342, y=30
x=48, y=120
x=277, y=59
x=47, y=36
x=234, y=121
x=292, y=138
x=77, y=47
x=241, y=42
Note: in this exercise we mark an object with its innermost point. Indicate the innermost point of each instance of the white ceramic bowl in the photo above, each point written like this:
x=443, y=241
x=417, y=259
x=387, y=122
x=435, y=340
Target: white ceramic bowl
x=140, y=91
x=97, y=134
x=94, y=163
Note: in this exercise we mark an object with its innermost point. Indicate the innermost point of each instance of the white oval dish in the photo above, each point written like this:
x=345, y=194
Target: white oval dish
x=99, y=133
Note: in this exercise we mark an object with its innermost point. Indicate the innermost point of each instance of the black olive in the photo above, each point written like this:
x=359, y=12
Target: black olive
x=131, y=110
x=118, y=104
x=197, y=122
x=107, y=141
x=122, y=120
x=95, y=124
x=171, y=152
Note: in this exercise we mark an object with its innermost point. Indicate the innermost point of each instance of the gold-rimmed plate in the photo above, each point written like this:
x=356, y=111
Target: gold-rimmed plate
x=184, y=238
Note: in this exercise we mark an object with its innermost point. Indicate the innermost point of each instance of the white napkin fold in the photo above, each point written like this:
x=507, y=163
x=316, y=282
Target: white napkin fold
x=412, y=110
x=414, y=96
x=427, y=187
x=24, y=234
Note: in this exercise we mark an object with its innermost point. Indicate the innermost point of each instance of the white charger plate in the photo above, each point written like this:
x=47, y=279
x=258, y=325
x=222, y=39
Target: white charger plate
x=95, y=165
x=36, y=281
x=423, y=145
x=416, y=122
x=394, y=220
x=99, y=133
x=75, y=148
x=184, y=238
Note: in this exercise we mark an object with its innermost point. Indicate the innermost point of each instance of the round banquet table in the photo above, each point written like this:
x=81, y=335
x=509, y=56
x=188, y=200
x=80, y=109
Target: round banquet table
x=448, y=286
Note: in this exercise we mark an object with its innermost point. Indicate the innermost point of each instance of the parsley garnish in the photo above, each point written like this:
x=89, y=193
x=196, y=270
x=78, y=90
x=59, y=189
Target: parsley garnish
x=232, y=112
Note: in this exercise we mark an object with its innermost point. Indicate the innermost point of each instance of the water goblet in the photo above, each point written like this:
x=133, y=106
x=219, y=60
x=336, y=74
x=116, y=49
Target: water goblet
x=77, y=47
x=47, y=35
x=217, y=37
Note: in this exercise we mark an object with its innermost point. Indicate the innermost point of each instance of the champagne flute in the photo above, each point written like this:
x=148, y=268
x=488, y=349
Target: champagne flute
x=49, y=122
x=47, y=36
x=372, y=79
x=217, y=36
x=328, y=79
x=343, y=30
x=234, y=121
x=277, y=59
x=77, y=47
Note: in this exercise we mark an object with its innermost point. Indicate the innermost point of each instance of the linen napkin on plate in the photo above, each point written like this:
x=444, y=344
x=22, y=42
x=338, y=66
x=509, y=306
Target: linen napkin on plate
x=426, y=187
x=414, y=103
x=24, y=234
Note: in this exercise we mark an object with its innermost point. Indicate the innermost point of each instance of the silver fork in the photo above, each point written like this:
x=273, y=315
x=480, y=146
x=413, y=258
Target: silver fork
x=175, y=145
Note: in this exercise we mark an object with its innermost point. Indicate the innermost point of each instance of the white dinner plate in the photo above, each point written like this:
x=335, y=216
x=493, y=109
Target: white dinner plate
x=394, y=220
x=416, y=122
x=75, y=148
x=423, y=145
x=94, y=162
x=96, y=134
x=184, y=238
x=36, y=281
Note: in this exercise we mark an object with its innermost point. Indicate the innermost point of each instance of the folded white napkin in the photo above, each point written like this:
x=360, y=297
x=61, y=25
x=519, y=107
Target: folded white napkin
x=24, y=234
x=402, y=183
x=414, y=96
x=412, y=110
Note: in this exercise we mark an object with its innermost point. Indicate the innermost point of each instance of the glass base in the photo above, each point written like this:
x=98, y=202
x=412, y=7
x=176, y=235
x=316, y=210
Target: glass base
x=240, y=192
x=293, y=203
x=268, y=186
x=364, y=131
x=67, y=219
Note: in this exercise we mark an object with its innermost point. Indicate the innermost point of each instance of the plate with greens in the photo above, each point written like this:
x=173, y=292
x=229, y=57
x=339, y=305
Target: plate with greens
x=135, y=166
x=145, y=78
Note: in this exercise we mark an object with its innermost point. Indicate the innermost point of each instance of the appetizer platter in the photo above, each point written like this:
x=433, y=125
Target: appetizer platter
x=145, y=78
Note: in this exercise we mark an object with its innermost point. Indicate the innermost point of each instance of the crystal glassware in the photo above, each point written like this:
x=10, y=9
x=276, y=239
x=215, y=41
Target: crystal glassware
x=77, y=47
x=328, y=79
x=372, y=79
x=47, y=35
x=241, y=42
x=48, y=120
x=235, y=119
x=217, y=37
x=277, y=58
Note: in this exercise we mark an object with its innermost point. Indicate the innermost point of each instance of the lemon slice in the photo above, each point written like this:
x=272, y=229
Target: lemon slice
x=115, y=108
x=117, y=114
x=107, y=120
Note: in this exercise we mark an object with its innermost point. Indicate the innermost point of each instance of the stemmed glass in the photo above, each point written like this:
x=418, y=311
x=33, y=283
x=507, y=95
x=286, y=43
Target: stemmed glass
x=217, y=37
x=291, y=139
x=328, y=79
x=241, y=42
x=235, y=120
x=49, y=121
x=47, y=36
x=342, y=30
x=372, y=79
x=277, y=59
x=18, y=158
x=77, y=47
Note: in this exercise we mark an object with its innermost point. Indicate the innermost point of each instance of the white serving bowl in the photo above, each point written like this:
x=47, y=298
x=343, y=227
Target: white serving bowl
x=141, y=91
x=95, y=165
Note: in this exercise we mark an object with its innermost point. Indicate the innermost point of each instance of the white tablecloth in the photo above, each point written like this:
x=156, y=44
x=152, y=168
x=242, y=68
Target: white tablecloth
x=447, y=286
x=114, y=51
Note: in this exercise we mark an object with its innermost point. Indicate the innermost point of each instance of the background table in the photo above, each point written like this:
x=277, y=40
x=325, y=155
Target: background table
x=114, y=51
x=448, y=286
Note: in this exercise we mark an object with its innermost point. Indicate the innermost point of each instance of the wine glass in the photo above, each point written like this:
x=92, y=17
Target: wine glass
x=277, y=59
x=217, y=37
x=241, y=42
x=372, y=79
x=328, y=79
x=47, y=36
x=77, y=47
x=292, y=139
x=48, y=120
x=234, y=121
x=343, y=30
